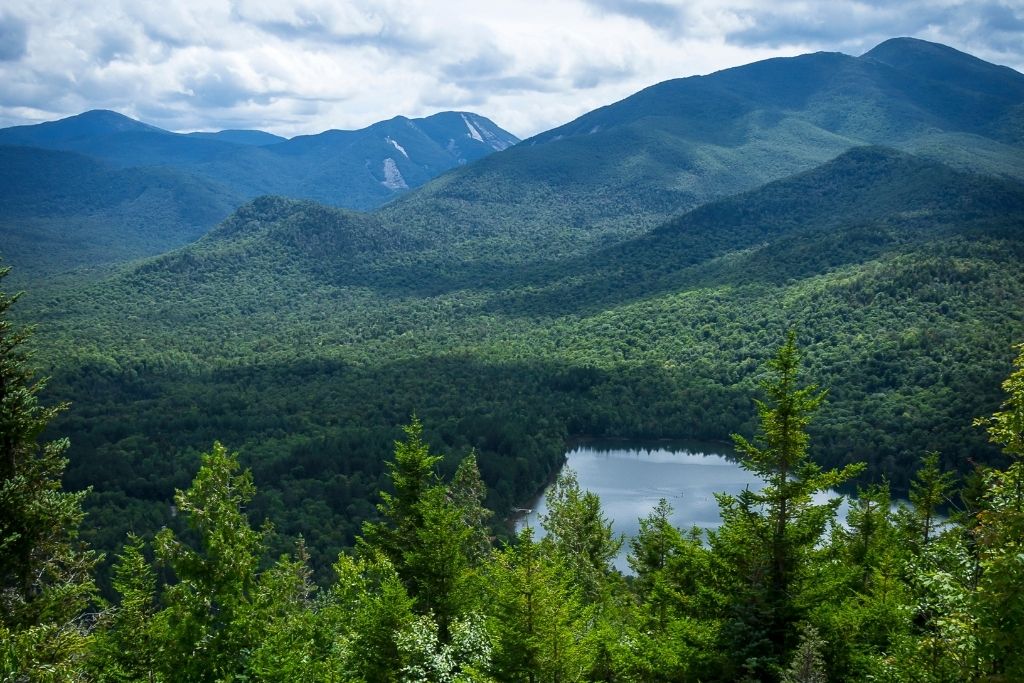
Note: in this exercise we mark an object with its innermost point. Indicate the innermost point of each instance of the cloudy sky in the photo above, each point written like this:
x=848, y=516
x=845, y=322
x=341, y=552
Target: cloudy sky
x=306, y=66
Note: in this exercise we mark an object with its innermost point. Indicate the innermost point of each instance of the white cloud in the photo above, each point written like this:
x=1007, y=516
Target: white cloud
x=306, y=66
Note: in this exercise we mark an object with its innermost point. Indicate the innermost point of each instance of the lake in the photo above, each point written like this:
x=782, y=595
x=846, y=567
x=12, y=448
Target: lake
x=630, y=478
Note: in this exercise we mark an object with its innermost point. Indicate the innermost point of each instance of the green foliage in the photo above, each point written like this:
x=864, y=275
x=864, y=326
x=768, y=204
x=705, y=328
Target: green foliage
x=807, y=666
x=125, y=646
x=874, y=600
x=1006, y=426
x=306, y=335
x=929, y=491
x=206, y=619
x=673, y=633
x=540, y=617
x=60, y=210
x=412, y=474
x=45, y=571
x=579, y=536
x=769, y=539
x=369, y=607
x=999, y=532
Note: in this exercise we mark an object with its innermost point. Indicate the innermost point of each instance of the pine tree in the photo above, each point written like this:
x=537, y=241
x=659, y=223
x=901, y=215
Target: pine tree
x=669, y=636
x=433, y=535
x=45, y=571
x=999, y=531
x=209, y=620
x=579, y=536
x=768, y=538
x=540, y=619
x=468, y=493
x=808, y=666
x=124, y=648
x=928, y=491
x=412, y=474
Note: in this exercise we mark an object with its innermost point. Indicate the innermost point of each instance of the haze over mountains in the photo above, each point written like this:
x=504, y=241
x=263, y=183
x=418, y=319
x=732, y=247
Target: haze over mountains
x=355, y=169
x=194, y=180
x=623, y=274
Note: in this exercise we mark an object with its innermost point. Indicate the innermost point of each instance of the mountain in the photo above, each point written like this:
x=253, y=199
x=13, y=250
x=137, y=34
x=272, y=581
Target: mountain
x=76, y=130
x=62, y=210
x=888, y=199
x=622, y=169
x=623, y=275
x=258, y=138
x=355, y=169
x=301, y=334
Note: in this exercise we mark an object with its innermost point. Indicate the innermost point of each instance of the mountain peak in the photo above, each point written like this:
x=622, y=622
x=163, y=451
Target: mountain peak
x=943, y=63
x=104, y=121
x=90, y=124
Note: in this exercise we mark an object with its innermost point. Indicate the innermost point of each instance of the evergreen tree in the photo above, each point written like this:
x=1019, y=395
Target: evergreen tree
x=45, y=571
x=125, y=647
x=468, y=493
x=367, y=610
x=928, y=491
x=999, y=532
x=579, y=536
x=807, y=666
x=860, y=588
x=412, y=473
x=293, y=644
x=433, y=535
x=539, y=617
x=669, y=636
x=768, y=539
x=209, y=617
x=436, y=565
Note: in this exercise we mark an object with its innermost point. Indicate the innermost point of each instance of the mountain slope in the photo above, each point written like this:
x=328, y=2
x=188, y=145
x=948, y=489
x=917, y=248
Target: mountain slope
x=886, y=198
x=258, y=138
x=61, y=210
x=354, y=169
x=621, y=169
x=302, y=334
x=75, y=130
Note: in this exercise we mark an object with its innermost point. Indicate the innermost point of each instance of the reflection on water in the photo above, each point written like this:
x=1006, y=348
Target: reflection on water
x=630, y=479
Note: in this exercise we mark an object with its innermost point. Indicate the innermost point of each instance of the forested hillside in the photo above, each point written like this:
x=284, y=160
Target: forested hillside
x=61, y=210
x=303, y=334
x=622, y=169
x=783, y=590
x=538, y=294
x=629, y=274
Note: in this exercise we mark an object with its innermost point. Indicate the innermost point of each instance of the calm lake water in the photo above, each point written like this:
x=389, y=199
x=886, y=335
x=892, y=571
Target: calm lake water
x=631, y=478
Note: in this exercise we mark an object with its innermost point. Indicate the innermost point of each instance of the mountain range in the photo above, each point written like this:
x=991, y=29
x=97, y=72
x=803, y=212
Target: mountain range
x=352, y=168
x=180, y=185
x=622, y=275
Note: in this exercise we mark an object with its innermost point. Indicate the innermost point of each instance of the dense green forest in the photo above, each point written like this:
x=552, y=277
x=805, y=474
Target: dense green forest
x=304, y=336
x=624, y=275
x=782, y=591
x=60, y=210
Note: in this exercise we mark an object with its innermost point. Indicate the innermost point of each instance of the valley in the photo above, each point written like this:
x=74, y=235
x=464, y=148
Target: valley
x=362, y=351
x=596, y=280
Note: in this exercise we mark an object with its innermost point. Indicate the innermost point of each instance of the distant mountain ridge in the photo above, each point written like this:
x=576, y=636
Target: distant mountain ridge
x=240, y=137
x=353, y=169
x=101, y=188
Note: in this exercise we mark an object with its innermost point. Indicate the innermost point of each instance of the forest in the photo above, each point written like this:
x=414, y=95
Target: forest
x=303, y=336
x=280, y=439
x=782, y=591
